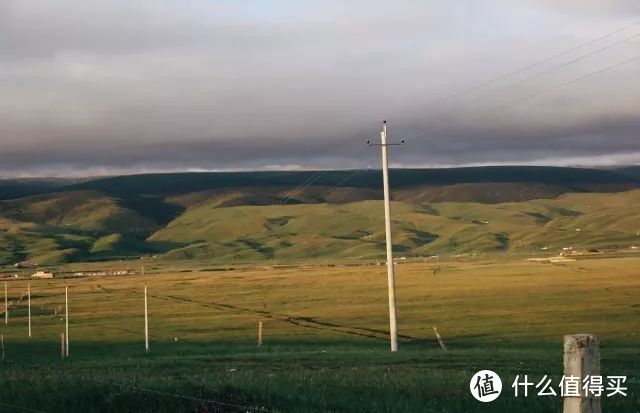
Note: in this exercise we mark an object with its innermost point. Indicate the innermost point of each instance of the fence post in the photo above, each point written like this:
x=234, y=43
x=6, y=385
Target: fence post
x=260, y=334
x=440, y=341
x=581, y=359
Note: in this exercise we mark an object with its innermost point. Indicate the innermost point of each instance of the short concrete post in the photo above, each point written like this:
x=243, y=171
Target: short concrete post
x=581, y=359
x=260, y=334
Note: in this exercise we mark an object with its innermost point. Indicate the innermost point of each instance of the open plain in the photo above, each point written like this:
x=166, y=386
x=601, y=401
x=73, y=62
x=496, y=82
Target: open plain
x=325, y=336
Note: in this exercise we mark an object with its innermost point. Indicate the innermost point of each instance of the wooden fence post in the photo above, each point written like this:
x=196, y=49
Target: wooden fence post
x=260, y=334
x=581, y=359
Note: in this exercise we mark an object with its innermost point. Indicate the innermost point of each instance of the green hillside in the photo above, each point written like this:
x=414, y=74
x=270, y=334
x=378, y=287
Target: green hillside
x=333, y=214
x=356, y=229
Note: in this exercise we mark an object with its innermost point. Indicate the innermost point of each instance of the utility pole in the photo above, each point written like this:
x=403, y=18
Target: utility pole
x=391, y=278
x=6, y=305
x=66, y=320
x=146, y=322
x=29, y=300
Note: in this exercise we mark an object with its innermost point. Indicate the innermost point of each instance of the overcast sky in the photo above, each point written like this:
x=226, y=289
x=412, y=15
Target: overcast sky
x=121, y=86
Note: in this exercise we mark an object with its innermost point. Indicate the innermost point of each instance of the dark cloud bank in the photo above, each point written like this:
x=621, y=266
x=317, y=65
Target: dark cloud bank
x=95, y=87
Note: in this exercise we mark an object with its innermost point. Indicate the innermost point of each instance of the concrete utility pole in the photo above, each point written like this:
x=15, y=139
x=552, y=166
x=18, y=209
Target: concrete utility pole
x=29, y=300
x=146, y=322
x=6, y=305
x=66, y=320
x=391, y=279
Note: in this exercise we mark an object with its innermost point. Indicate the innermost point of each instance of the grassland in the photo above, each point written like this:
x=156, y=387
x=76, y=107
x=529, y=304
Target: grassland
x=588, y=221
x=330, y=214
x=325, y=337
x=91, y=227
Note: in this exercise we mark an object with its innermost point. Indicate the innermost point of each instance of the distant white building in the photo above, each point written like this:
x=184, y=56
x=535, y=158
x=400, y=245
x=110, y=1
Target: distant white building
x=42, y=274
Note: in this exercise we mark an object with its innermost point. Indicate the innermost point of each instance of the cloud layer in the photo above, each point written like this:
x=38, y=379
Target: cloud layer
x=119, y=86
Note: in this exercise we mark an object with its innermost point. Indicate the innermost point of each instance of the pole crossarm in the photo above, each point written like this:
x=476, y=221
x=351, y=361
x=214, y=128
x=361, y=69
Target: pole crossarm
x=369, y=143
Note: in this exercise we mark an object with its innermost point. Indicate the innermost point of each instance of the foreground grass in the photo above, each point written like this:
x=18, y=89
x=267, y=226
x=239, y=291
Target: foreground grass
x=283, y=377
x=325, y=338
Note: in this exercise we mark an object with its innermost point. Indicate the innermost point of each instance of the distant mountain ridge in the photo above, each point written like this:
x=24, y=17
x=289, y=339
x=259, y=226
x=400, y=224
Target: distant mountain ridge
x=633, y=171
x=18, y=188
x=176, y=183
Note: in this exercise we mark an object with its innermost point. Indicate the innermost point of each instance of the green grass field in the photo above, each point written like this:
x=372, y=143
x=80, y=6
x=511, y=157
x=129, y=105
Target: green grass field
x=326, y=343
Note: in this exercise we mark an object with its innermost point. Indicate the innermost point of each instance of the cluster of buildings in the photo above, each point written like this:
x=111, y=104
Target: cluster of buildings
x=102, y=273
x=45, y=274
x=42, y=274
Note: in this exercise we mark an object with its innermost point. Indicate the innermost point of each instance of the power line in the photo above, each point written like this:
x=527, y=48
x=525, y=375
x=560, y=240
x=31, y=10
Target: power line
x=560, y=85
x=517, y=101
x=553, y=69
x=26, y=409
x=538, y=63
x=301, y=187
x=191, y=398
x=147, y=390
x=341, y=182
x=297, y=190
x=535, y=64
x=331, y=190
x=287, y=196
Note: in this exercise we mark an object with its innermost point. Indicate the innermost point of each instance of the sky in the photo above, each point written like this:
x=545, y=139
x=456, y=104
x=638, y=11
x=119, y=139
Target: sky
x=99, y=87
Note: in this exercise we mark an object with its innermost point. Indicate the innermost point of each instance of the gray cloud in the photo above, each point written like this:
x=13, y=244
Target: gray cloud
x=108, y=86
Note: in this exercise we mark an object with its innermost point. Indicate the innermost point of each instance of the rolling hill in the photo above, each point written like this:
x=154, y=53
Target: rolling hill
x=292, y=215
x=356, y=229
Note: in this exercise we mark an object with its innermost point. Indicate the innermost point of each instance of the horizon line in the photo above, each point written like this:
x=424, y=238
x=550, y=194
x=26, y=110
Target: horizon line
x=83, y=175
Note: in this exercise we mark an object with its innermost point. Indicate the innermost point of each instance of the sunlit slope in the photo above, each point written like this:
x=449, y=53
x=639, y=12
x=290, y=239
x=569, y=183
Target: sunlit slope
x=356, y=229
x=89, y=225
